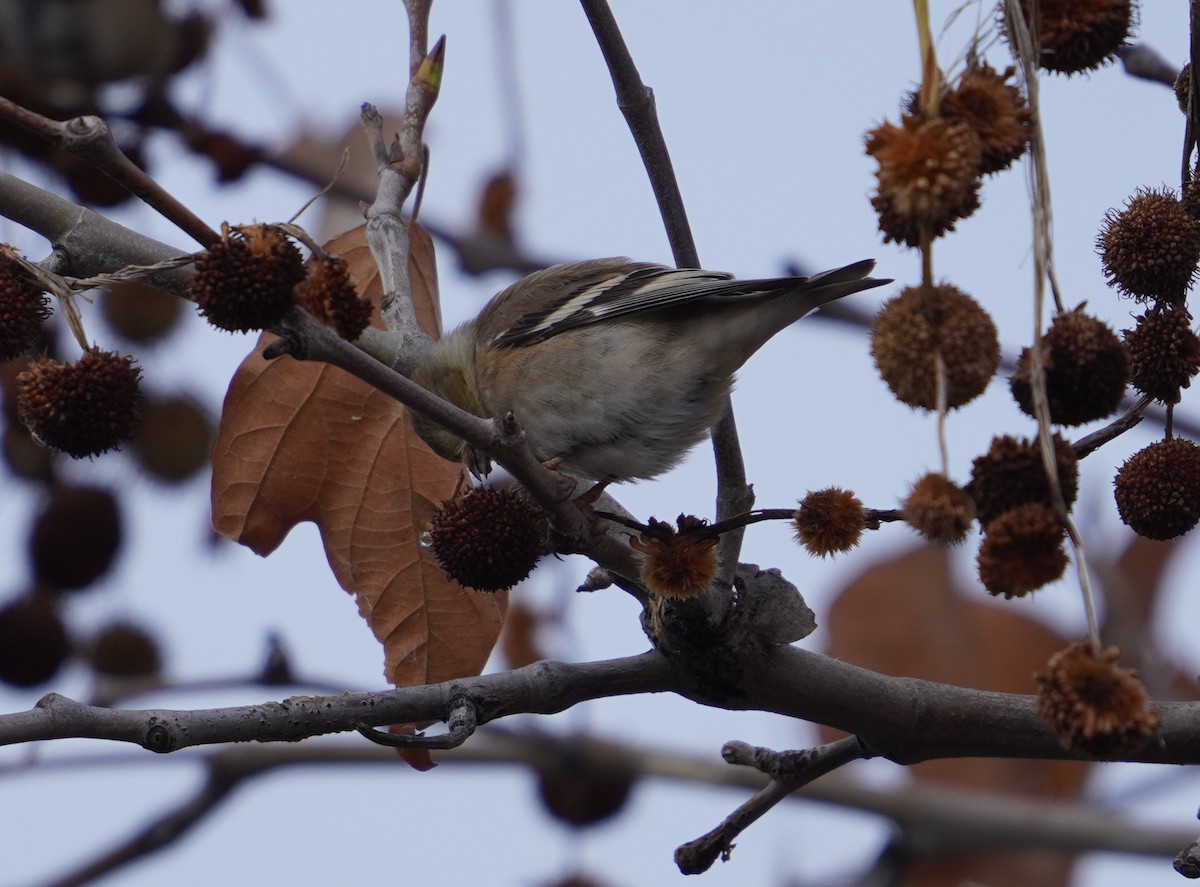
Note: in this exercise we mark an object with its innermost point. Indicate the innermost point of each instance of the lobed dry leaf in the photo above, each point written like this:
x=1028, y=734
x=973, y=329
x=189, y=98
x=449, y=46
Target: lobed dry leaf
x=906, y=617
x=308, y=442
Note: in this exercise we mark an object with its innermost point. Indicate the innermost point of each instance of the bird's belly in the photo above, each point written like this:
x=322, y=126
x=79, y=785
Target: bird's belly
x=599, y=430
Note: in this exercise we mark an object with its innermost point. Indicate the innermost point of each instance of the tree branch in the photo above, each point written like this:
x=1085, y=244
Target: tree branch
x=788, y=771
x=544, y=687
x=903, y=719
x=962, y=818
x=90, y=138
x=636, y=102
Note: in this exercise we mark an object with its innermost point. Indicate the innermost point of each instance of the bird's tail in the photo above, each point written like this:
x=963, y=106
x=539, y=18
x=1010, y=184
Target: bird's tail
x=828, y=286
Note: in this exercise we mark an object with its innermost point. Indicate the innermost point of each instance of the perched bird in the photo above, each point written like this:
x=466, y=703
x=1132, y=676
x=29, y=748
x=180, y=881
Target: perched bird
x=614, y=369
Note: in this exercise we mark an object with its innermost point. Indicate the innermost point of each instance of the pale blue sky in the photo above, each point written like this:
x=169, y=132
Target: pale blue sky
x=764, y=111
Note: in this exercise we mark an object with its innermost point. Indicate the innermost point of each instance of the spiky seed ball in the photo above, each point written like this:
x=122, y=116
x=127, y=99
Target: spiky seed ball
x=140, y=313
x=1183, y=87
x=829, y=521
x=489, y=539
x=25, y=457
x=328, y=294
x=928, y=176
x=680, y=561
x=1158, y=489
x=1022, y=550
x=1191, y=195
x=939, y=509
x=1094, y=705
x=125, y=650
x=175, y=439
x=585, y=787
x=1164, y=352
x=75, y=537
x=244, y=281
x=1150, y=249
x=996, y=112
x=1011, y=474
x=23, y=307
x=913, y=328
x=33, y=641
x=83, y=408
x=1077, y=35
x=1087, y=369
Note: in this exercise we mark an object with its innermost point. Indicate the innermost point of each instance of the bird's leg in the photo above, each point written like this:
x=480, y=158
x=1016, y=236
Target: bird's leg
x=590, y=497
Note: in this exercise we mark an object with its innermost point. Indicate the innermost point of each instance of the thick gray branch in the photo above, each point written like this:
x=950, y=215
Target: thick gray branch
x=543, y=688
x=903, y=719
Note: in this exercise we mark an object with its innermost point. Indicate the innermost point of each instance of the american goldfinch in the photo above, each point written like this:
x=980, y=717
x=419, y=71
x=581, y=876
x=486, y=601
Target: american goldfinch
x=614, y=369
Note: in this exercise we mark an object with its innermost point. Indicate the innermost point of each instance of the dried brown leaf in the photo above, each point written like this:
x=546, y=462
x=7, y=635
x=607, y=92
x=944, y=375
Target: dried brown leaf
x=308, y=442
x=497, y=205
x=905, y=617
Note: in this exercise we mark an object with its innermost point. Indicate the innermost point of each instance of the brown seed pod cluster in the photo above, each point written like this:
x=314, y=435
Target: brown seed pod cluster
x=125, y=650
x=1164, y=352
x=1022, y=551
x=996, y=112
x=922, y=323
x=175, y=439
x=1075, y=35
x=328, y=294
x=489, y=539
x=1011, y=474
x=1086, y=370
x=75, y=537
x=679, y=561
x=928, y=176
x=1158, y=489
x=34, y=642
x=140, y=313
x=83, y=408
x=23, y=307
x=932, y=161
x=1150, y=249
x=1183, y=87
x=585, y=788
x=939, y=509
x=829, y=521
x=1022, y=547
x=1095, y=706
x=1191, y=195
x=244, y=281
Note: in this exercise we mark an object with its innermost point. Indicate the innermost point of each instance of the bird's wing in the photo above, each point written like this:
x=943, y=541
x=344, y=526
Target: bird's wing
x=635, y=289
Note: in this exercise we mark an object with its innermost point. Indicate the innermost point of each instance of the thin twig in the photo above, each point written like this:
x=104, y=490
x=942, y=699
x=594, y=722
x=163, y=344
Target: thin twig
x=1132, y=416
x=636, y=102
x=958, y=816
x=305, y=339
x=1026, y=50
x=89, y=137
x=461, y=722
x=788, y=770
x=161, y=832
x=872, y=517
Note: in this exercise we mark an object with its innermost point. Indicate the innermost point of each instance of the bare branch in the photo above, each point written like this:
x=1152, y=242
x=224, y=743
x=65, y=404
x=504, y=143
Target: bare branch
x=636, y=101
x=905, y=720
x=544, y=687
x=788, y=771
x=461, y=721
x=961, y=817
x=89, y=137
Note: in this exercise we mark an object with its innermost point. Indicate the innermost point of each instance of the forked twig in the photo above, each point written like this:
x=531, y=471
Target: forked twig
x=90, y=138
x=788, y=771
